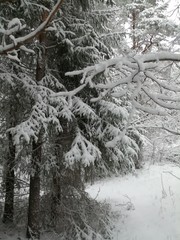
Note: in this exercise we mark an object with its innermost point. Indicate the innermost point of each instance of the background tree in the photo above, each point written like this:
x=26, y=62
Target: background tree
x=147, y=25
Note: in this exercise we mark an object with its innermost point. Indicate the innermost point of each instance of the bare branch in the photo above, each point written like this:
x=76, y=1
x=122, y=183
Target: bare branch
x=170, y=131
x=172, y=174
x=139, y=65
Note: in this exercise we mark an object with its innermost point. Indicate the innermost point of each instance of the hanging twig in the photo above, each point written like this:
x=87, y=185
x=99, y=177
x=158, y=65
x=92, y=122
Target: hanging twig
x=170, y=131
x=172, y=174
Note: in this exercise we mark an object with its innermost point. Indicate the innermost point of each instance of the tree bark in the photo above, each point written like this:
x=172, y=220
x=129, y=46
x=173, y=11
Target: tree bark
x=61, y=182
x=134, y=29
x=33, y=228
x=8, y=213
x=9, y=183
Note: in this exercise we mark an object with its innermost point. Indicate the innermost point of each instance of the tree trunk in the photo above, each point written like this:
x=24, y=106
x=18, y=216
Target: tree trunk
x=61, y=182
x=9, y=183
x=33, y=228
x=134, y=29
x=8, y=213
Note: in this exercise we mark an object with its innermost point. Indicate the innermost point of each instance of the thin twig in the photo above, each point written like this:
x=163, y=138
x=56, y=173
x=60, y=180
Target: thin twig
x=170, y=131
x=97, y=193
x=172, y=174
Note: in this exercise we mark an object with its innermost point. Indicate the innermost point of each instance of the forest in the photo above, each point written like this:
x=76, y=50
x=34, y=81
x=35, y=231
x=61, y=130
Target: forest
x=85, y=87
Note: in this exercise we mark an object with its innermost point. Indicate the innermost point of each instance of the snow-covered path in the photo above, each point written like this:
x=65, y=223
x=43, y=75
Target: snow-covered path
x=148, y=203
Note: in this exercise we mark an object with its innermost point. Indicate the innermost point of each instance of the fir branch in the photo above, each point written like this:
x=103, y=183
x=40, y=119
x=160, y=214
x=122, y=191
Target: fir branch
x=29, y=37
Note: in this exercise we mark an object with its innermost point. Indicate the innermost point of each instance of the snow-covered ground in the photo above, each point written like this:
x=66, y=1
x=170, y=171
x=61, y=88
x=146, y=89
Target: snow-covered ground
x=148, y=203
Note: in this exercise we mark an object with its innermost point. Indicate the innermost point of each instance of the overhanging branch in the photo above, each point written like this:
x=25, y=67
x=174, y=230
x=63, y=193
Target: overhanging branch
x=170, y=131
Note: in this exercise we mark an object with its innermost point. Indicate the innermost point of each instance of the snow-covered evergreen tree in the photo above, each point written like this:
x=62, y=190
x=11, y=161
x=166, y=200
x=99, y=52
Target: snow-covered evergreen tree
x=148, y=26
x=71, y=42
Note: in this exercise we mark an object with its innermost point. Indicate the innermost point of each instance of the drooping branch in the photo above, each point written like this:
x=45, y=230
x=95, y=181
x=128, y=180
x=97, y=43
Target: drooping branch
x=171, y=131
x=29, y=37
x=140, y=66
x=160, y=56
x=146, y=58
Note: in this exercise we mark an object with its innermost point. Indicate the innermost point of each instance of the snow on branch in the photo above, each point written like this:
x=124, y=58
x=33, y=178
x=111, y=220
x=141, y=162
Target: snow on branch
x=139, y=70
x=17, y=42
x=129, y=61
x=30, y=128
x=170, y=87
x=82, y=109
x=106, y=107
x=161, y=103
x=149, y=110
x=13, y=26
x=44, y=110
x=160, y=56
x=82, y=151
